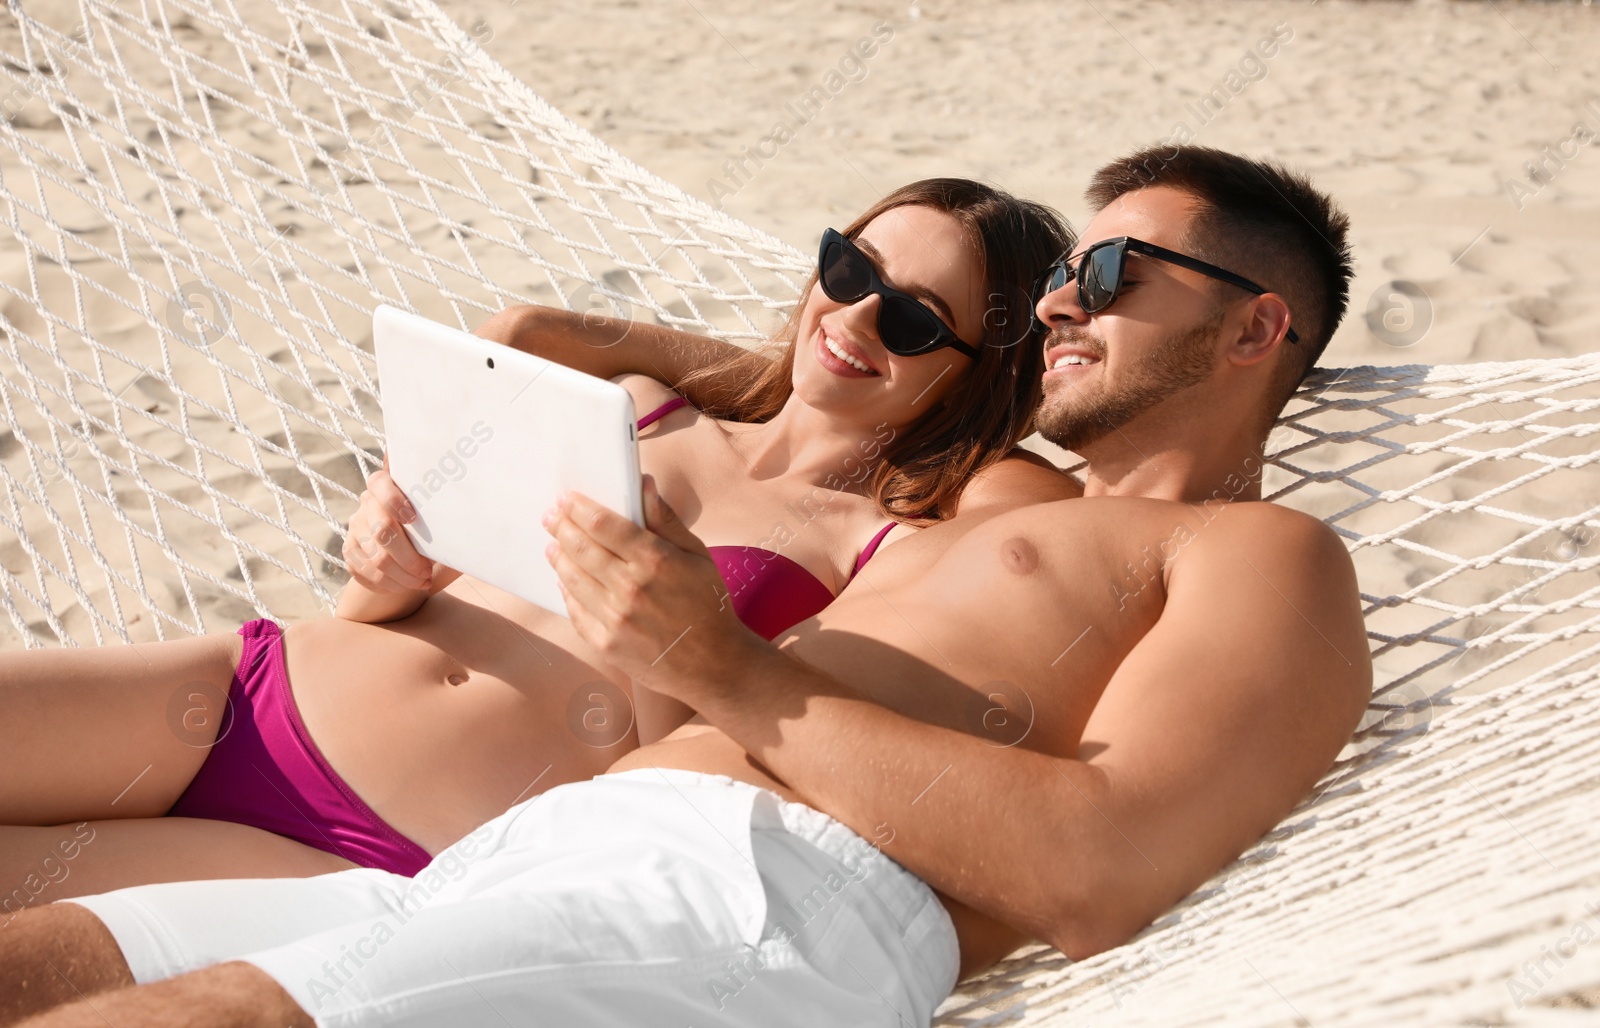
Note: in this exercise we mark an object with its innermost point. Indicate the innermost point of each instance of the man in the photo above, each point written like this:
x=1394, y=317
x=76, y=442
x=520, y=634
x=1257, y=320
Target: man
x=1059, y=718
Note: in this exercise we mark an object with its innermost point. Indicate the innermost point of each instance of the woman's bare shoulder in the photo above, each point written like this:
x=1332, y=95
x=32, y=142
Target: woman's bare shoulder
x=1018, y=479
x=648, y=393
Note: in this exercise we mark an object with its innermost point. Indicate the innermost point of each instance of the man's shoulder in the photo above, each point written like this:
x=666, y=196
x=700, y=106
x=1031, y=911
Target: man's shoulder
x=1283, y=551
x=1278, y=573
x=1260, y=527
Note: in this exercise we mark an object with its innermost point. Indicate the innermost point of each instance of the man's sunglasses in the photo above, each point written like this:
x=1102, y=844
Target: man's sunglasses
x=905, y=325
x=1099, y=273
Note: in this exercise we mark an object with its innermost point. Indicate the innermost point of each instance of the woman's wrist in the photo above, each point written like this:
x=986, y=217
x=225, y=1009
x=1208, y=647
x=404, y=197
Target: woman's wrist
x=358, y=603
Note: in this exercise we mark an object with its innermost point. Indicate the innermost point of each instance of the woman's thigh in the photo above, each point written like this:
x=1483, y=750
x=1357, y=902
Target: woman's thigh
x=41, y=865
x=108, y=731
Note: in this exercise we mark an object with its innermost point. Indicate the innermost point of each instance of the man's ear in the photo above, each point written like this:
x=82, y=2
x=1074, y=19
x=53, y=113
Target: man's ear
x=1265, y=329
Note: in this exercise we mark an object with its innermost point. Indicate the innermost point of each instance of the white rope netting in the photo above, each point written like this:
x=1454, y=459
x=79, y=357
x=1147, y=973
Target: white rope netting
x=205, y=202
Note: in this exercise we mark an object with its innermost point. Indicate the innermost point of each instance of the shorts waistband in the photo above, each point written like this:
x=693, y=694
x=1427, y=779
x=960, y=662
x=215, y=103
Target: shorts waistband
x=772, y=812
x=909, y=900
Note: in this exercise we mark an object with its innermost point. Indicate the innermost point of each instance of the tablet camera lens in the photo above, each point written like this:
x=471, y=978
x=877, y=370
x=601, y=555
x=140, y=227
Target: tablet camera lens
x=489, y=361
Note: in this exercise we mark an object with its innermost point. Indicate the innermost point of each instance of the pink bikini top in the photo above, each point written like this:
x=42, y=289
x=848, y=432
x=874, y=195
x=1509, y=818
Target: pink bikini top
x=770, y=592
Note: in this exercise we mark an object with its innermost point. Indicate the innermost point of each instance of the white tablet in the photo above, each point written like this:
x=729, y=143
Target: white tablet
x=483, y=438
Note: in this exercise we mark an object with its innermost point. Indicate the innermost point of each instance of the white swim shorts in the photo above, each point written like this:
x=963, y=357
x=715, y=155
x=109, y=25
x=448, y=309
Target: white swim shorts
x=652, y=897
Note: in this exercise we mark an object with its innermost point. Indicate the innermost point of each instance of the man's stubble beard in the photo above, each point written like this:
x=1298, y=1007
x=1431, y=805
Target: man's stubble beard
x=1072, y=420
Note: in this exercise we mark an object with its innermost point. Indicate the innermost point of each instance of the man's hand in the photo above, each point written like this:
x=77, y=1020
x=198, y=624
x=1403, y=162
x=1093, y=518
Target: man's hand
x=650, y=601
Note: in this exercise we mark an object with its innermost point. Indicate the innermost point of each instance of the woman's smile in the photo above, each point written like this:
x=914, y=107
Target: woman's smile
x=841, y=357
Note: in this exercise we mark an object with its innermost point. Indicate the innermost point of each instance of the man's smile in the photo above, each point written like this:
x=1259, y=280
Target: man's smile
x=1068, y=360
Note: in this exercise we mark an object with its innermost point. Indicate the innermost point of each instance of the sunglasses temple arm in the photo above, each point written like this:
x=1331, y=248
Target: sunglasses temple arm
x=1194, y=264
x=1205, y=268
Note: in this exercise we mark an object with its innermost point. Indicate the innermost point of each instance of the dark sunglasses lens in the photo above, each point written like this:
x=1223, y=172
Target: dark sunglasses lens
x=906, y=327
x=1098, y=285
x=1054, y=278
x=845, y=274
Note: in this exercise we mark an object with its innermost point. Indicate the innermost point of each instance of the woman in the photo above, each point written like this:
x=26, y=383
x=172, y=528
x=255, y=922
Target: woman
x=432, y=701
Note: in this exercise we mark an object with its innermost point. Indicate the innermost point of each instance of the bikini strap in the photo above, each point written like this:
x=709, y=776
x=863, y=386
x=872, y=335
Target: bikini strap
x=662, y=411
x=872, y=548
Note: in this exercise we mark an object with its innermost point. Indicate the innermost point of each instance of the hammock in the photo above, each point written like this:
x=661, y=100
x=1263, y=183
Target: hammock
x=206, y=199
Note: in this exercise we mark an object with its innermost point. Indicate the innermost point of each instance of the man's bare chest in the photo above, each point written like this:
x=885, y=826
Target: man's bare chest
x=1008, y=629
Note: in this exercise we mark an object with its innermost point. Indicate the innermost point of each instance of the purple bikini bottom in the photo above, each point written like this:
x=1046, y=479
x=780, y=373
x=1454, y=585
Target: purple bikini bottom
x=265, y=771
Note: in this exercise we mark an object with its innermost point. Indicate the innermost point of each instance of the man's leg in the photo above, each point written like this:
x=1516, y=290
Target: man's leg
x=56, y=954
x=235, y=995
x=184, y=940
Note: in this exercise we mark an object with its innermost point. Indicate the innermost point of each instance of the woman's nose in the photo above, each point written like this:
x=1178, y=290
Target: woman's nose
x=861, y=317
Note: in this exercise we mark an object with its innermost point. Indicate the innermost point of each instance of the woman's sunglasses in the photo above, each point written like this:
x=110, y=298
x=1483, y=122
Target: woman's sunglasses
x=1099, y=273
x=905, y=325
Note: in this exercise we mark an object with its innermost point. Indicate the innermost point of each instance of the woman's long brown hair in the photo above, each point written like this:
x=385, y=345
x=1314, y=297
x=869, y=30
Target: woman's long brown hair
x=920, y=475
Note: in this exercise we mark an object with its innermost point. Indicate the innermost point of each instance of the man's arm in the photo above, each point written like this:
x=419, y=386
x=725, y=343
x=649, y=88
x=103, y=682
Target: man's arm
x=608, y=347
x=1216, y=724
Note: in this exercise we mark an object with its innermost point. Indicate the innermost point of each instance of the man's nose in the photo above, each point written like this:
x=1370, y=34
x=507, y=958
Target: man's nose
x=1061, y=307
